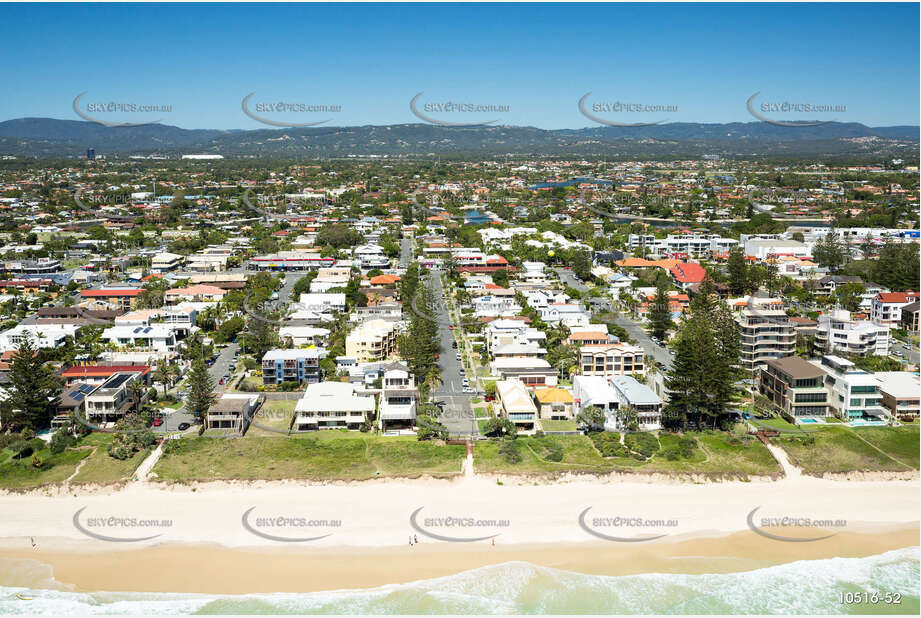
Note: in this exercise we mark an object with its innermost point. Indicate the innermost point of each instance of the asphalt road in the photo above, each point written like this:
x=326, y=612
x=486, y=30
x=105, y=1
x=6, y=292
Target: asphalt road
x=457, y=415
x=634, y=329
x=216, y=371
x=406, y=252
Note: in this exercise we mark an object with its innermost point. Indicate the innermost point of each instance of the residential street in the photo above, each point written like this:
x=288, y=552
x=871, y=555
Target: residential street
x=457, y=414
x=635, y=330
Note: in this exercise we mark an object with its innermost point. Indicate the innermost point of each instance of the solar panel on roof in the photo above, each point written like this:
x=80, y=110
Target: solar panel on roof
x=86, y=388
x=77, y=396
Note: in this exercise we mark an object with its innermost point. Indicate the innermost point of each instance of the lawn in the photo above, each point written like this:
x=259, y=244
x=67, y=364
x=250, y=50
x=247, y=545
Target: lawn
x=900, y=443
x=577, y=454
x=550, y=425
x=838, y=449
x=101, y=468
x=710, y=453
x=339, y=456
x=16, y=474
x=273, y=418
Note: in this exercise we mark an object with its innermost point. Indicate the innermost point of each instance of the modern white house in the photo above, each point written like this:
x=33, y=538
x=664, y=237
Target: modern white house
x=323, y=303
x=398, y=398
x=853, y=394
x=838, y=332
x=612, y=393
x=157, y=337
x=303, y=335
x=332, y=405
x=42, y=335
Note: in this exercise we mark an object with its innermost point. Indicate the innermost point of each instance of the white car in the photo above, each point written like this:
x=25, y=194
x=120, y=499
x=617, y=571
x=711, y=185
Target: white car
x=469, y=390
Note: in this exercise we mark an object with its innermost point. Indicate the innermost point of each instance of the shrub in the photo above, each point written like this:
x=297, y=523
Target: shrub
x=608, y=444
x=644, y=444
x=27, y=434
x=61, y=439
x=37, y=462
x=119, y=451
x=172, y=446
x=510, y=451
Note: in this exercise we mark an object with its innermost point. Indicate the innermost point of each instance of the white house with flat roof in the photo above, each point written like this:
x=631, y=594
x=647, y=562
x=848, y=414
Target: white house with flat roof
x=332, y=405
x=853, y=394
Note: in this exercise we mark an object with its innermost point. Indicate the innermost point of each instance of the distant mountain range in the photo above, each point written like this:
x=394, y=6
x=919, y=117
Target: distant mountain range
x=47, y=137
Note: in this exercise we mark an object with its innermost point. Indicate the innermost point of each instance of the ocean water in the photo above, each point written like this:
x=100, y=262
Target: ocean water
x=804, y=587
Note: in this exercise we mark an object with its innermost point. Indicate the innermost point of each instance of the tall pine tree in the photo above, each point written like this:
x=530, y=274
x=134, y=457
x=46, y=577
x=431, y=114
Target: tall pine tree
x=660, y=317
x=33, y=386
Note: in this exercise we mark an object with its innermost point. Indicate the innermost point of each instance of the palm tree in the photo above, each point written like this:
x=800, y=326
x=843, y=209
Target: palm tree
x=433, y=380
x=137, y=388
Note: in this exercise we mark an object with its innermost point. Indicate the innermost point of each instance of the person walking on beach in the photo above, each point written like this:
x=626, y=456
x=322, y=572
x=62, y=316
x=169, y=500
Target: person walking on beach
x=415, y=539
x=34, y=544
x=410, y=540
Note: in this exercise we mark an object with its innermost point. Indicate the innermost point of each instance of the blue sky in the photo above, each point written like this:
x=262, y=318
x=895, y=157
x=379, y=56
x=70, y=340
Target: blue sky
x=537, y=59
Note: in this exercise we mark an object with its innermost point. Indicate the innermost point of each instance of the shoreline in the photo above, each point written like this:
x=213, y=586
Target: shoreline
x=211, y=569
x=278, y=536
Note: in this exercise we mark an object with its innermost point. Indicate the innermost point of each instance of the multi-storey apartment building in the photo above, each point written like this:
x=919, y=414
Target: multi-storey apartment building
x=372, y=341
x=766, y=333
x=611, y=359
x=838, y=332
x=887, y=307
x=299, y=365
x=795, y=385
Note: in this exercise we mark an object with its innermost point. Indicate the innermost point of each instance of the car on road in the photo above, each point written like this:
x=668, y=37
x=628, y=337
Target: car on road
x=469, y=390
x=458, y=356
x=221, y=381
x=157, y=422
x=184, y=426
x=454, y=344
x=461, y=371
x=450, y=327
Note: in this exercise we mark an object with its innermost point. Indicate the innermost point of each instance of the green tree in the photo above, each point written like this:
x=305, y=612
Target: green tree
x=201, y=390
x=830, y=251
x=737, y=271
x=33, y=387
x=660, y=316
x=592, y=418
x=848, y=295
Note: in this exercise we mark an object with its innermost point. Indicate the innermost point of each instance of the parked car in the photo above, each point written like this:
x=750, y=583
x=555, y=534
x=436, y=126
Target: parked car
x=461, y=371
x=157, y=422
x=468, y=390
x=183, y=426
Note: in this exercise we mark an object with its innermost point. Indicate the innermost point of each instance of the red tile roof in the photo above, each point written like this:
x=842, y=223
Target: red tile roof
x=896, y=297
x=126, y=292
x=688, y=272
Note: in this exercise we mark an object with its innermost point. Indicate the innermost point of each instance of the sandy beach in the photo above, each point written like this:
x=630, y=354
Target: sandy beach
x=288, y=536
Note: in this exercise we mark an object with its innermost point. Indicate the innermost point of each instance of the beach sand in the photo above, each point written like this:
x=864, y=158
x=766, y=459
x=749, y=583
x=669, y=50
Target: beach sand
x=223, y=570
x=228, y=538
